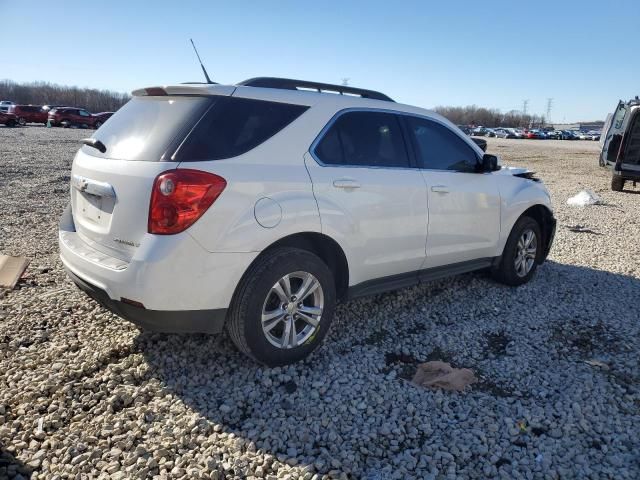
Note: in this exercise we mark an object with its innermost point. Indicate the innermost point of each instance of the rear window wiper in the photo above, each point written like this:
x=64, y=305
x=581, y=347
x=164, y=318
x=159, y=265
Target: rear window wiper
x=97, y=144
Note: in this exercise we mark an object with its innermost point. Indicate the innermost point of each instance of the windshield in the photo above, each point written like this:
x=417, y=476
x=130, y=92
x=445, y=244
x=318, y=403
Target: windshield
x=145, y=127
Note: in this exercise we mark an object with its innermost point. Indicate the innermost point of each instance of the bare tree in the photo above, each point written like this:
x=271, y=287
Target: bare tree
x=43, y=93
x=488, y=117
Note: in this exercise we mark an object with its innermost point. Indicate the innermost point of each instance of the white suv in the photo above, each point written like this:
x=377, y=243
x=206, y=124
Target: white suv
x=257, y=206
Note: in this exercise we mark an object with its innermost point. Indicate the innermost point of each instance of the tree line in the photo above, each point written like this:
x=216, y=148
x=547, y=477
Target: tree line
x=489, y=117
x=94, y=100
x=43, y=93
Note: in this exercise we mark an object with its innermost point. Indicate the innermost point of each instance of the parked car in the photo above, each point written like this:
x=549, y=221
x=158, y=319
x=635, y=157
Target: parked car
x=73, y=117
x=479, y=131
x=507, y=133
x=621, y=144
x=583, y=136
x=555, y=134
x=254, y=207
x=593, y=135
x=534, y=134
x=490, y=132
x=4, y=105
x=101, y=118
x=29, y=114
x=8, y=119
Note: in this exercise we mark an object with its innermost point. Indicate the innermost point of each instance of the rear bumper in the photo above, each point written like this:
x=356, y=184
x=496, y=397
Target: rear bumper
x=182, y=287
x=632, y=175
x=188, y=321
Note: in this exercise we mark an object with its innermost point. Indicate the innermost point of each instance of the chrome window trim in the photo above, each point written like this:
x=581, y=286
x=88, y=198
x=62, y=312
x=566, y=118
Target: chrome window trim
x=338, y=114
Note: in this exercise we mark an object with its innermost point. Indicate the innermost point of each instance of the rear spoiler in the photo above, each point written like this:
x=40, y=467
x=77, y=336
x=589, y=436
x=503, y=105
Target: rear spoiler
x=185, y=89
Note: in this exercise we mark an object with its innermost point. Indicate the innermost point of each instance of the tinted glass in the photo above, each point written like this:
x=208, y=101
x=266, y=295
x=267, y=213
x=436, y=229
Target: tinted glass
x=234, y=126
x=370, y=139
x=145, y=127
x=438, y=148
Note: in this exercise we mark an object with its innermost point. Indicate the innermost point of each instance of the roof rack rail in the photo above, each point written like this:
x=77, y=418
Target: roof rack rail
x=291, y=84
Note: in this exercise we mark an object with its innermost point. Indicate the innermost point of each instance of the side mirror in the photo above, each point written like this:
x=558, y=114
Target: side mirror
x=489, y=163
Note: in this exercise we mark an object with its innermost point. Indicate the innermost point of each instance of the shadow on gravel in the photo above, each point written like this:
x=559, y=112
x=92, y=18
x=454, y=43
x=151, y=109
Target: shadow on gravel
x=317, y=401
x=11, y=467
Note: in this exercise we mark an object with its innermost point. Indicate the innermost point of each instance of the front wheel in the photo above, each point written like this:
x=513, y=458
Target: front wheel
x=521, y=254
x=283, y=307
x=97, y=125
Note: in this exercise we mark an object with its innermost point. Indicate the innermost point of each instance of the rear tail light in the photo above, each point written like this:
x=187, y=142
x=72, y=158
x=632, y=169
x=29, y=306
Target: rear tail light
x=180, y=197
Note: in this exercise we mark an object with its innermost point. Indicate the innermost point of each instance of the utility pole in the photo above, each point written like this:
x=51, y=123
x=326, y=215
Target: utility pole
x=345, y=81
x=525, y=104
x=549, y=105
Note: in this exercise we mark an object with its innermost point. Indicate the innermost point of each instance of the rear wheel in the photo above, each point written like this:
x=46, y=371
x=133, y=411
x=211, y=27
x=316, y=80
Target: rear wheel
x=97, y=125
x=22, y=121
x=11, y=123
x=617, y=183
x=283, y=307
x=521, y=254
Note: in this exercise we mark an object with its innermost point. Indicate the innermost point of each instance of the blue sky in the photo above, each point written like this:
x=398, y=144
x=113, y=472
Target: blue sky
x=493, y=54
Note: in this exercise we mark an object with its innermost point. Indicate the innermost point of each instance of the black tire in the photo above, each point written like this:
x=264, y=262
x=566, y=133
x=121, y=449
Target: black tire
x=617, y=183
x=22, y=121
x=244, y=322
x=11, y=123
x=506, y=271
x=65, y=124
x=97, y=125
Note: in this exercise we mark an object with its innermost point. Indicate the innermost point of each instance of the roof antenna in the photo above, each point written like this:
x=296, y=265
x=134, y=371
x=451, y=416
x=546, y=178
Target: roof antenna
x=204, y=70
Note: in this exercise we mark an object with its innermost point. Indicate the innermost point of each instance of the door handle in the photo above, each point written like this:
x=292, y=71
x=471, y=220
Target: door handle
x=440, y=189
x=346, y=183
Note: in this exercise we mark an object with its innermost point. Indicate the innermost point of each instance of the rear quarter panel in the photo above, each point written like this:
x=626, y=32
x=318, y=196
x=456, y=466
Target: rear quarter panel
x=274, y=170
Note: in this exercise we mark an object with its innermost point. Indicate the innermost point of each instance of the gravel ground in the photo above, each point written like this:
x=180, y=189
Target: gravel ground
x=84, y=394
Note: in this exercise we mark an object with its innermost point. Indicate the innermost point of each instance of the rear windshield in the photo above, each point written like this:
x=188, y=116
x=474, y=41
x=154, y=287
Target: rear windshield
x=234, y=126
x=146, y=127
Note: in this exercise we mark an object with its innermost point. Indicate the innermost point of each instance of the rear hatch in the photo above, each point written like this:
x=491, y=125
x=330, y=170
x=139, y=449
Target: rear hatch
x=629, y=156
x=111, y=190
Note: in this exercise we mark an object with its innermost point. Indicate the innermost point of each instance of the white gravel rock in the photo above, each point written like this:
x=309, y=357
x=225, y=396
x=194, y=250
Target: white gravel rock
x=116, y=403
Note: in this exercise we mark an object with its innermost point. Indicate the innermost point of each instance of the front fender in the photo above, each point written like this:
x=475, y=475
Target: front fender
x=517, y=195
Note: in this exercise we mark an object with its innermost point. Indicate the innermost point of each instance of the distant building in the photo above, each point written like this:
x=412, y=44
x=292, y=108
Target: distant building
x=585, y=126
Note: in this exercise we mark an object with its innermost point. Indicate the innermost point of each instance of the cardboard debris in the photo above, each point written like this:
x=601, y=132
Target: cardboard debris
x=11, y=269
x=442, y=375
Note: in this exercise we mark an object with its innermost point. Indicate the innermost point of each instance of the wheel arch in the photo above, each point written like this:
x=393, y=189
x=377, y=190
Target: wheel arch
x=329, y=251
x=545, y=219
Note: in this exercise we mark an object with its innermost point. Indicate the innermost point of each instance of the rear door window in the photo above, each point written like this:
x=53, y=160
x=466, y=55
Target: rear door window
x=234, y=126
x=145, y=127
x=364, y=139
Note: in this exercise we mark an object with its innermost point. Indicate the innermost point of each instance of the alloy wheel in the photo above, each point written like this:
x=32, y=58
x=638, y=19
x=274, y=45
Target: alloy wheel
x=526, y=251
x=292, y=310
